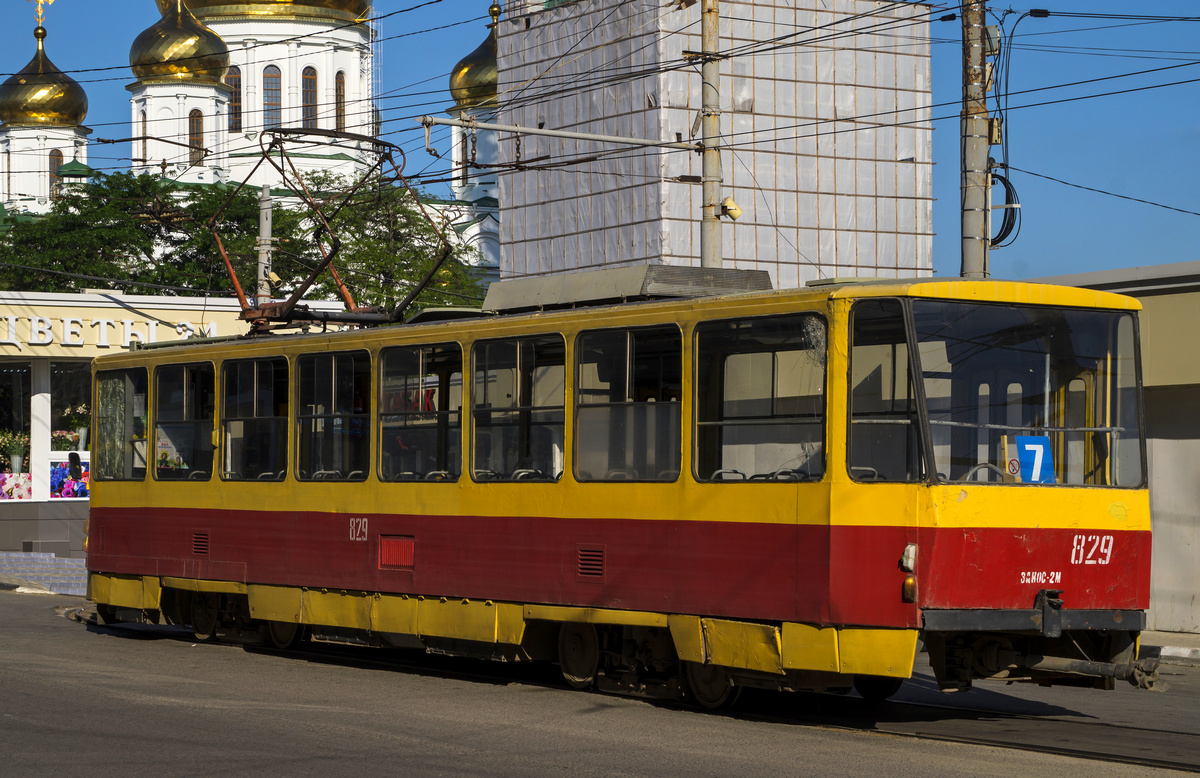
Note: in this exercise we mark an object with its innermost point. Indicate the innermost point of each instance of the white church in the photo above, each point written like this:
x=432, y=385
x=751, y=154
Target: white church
x=211, y=77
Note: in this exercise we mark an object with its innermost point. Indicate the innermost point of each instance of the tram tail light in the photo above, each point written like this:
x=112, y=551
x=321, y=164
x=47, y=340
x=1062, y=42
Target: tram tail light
x=909, y=590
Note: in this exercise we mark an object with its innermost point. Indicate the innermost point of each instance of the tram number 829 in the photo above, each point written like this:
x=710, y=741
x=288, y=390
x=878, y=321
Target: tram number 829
x=1092, y=550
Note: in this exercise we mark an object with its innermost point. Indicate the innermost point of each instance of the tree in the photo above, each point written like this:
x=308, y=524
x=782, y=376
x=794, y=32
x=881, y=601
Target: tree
x=389, y=245
x=150, y=236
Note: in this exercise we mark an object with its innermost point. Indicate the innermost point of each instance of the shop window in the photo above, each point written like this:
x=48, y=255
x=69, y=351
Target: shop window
x=760, y=399
x=332, y=439
x=420, y=411
x=119, y=451
x=627, y=422
x=15, y=386
x=517, y=407
x=183, y=422
x=254, y=416
x=70, y=411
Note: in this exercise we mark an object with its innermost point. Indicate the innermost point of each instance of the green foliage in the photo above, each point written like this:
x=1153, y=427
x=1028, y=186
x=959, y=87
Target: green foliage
x=388, y=246
x=153, y=233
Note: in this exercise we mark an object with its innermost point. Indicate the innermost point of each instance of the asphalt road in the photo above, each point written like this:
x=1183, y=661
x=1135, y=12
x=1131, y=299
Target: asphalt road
x=80, y=700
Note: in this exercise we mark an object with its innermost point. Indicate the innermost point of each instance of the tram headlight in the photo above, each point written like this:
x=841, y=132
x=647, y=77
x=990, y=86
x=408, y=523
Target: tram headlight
x=908, y=592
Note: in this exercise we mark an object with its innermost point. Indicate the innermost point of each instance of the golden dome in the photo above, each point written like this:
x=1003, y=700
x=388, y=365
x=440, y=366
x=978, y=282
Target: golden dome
x=341, y=10
x=42, y=94
x=179, y=47
x=473, y=80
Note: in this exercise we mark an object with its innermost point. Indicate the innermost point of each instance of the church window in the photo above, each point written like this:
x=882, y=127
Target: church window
x=56, y=161
x=308, y=94
x=234, y=81
x=145, y=140
x=340, y=100
x=196, y=136
x=272, y=98
x=464, y=160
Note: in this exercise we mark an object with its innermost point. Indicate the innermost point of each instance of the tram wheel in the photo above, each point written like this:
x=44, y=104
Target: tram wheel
x=876, y=688
x=283, y=635
x=578, y=654
x=205, y=615
x=711, y=686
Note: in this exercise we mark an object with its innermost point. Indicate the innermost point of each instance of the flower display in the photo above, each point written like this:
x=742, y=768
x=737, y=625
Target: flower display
x=63, y=440
x=62, y=485
x=16, y=487
x=14, y=443
x=77, y=416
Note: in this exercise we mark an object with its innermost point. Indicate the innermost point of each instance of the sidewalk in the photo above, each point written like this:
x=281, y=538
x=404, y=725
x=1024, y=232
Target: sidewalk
x=1173, y=648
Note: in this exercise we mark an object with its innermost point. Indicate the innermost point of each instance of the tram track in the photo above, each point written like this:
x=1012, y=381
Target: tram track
x=1052, y=735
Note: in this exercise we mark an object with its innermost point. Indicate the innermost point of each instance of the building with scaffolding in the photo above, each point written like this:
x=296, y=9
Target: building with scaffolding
x=825, y=122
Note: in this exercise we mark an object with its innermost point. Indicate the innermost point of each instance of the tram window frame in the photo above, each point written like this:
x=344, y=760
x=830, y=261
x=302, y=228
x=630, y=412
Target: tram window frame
x=495, y=410
x=865, y=462
x=747, y=419
x=263, y=436
x=640, y=421
x=121, y=441
x=402, y=406
x=349, y=420
x=184, y=421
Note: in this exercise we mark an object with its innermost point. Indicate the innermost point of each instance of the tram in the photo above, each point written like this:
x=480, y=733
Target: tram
x=673, y=496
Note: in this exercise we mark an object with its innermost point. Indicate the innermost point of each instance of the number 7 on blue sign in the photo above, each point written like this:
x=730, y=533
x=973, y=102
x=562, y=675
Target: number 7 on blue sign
x=1037, y=463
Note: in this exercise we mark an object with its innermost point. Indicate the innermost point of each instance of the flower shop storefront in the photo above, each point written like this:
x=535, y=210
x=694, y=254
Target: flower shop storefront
x=47, y=342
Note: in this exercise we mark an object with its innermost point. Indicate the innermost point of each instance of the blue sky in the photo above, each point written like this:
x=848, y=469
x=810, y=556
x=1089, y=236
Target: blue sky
x=1140, y=144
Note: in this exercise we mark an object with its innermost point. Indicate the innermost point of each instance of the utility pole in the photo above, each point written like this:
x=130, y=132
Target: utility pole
x=263, y=289
x=976, y=228
x=711, y=249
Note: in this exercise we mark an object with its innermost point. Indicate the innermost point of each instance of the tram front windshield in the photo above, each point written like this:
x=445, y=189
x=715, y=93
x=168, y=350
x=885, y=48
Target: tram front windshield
x=1032, y=395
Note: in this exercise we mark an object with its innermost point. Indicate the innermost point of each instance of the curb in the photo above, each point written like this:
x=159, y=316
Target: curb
x=21, y=586
x=1172, y=655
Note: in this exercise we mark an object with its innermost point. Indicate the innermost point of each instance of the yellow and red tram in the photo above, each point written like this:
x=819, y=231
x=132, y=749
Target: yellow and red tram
x=780, y=488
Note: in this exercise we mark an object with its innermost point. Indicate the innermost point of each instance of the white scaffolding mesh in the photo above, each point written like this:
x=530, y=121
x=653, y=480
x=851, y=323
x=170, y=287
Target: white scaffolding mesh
x=827, y=136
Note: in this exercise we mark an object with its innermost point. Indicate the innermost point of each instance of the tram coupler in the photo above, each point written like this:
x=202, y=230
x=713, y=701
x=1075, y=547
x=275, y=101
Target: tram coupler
x=1142, y=673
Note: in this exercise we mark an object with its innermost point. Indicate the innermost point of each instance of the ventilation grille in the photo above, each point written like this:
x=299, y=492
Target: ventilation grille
x=200, y=543
x=396, y=552
x=590, y=563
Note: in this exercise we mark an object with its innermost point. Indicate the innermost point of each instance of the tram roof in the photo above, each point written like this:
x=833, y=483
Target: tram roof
x=961, y=289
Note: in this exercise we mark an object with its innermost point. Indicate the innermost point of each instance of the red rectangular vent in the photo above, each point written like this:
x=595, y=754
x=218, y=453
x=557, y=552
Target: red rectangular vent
x=200, y=543
x=396, y=552
x=590, y=562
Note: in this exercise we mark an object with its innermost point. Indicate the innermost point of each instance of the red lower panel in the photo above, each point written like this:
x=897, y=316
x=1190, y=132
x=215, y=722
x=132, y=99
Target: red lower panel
x=729, y=569
x=839, y=575
x=1006, y=568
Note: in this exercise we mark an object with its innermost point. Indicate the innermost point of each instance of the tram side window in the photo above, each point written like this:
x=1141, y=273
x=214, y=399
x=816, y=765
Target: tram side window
x=119, y=451
x=884, y=426
x=420, y=412
x=332, y=416
x=627, y=424
x=517, y=408
x=254, y=418
x=184, y=399
x=760, y=401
